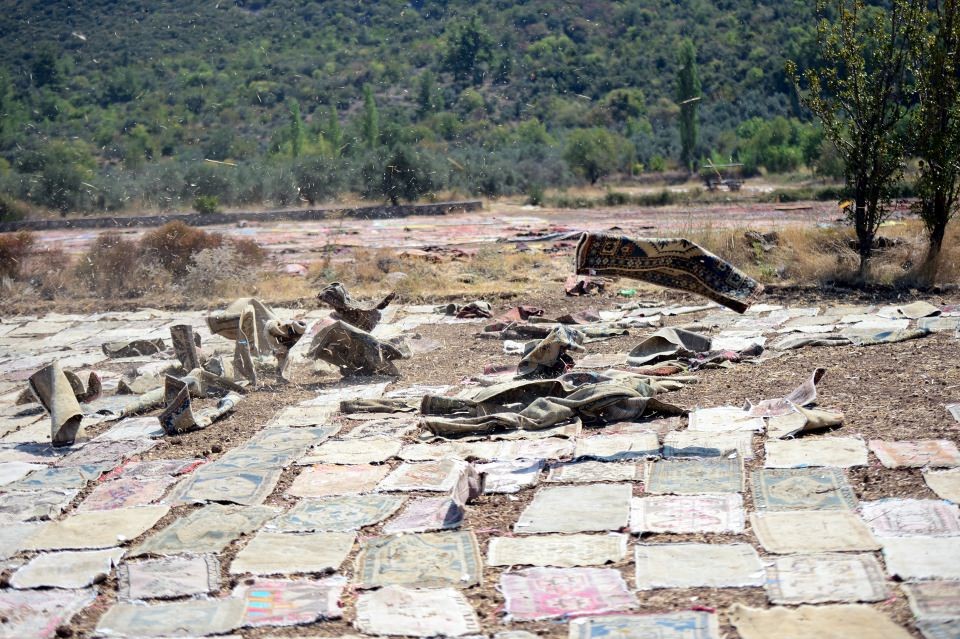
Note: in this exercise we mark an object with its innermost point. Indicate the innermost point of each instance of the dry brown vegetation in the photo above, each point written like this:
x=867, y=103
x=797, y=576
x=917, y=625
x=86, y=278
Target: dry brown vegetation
x=828, y=255
x=174, y=258
x=795, y=256
x=177, y=265
x=495, y=270
x=174, y=245
x=14, y=249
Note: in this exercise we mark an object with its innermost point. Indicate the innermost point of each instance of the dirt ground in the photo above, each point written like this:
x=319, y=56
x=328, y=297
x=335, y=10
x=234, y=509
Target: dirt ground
x=892, y=392
x=303, y=242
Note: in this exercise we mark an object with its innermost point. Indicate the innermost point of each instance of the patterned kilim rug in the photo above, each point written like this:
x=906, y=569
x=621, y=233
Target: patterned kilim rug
x=673, y=263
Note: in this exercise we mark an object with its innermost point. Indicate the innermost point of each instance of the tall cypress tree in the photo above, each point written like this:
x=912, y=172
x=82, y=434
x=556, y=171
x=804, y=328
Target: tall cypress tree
x=296, y=129
x=371, y=119
x=334, y=134
x=6, y=105
x=688, y=97
x=427, y=93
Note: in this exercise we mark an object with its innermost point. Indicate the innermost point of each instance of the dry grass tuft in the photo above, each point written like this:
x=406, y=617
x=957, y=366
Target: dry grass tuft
x=805, y=255
x=175, y=243
x=498, y=271
x=250, y=252
x=14, y=249
x=496, y=263
x=50, y=274
x=223, y=272
x=112, y=268
x=371, y=266
x=280, y=287
x=29, y=272
x=172, y=257
x=815, y=255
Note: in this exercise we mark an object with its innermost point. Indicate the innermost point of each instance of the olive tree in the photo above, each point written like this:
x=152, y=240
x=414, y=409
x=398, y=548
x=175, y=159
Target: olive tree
x=858, y=92
x=936, y=125
x=595, y=152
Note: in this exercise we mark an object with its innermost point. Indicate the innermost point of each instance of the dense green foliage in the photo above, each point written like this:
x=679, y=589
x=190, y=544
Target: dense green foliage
x=595, y=152
x=935, y=125
x=688, y=97
x=861, y=92
x=107, y=105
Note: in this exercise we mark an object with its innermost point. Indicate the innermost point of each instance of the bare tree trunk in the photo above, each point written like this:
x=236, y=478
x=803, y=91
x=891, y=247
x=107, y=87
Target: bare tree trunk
x=864, y=234
x=863, y=273
x=931, y=263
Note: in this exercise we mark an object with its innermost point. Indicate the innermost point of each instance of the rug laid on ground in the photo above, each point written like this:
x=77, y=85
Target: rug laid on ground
x=915, y=558
x=38, y=613
x=678, y=625
x=564, y=551
x=687, y=514
x=545, y=593
x=933, y=599
x=169, y=577
x=202, y=617
x=270, y=553
x=810, y=531
x=71, y=569
x=428, y=560
x=673, y=263
x=802, y=489
x=825, y=577
x=695, y=476
x=396, y=610
x=823, y=622
x=893, y=517
x=288, y=602
x=688, y=565
x=581, y=508
x=338, y=513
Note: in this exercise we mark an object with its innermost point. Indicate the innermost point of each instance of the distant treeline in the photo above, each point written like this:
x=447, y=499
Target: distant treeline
x=111, y=105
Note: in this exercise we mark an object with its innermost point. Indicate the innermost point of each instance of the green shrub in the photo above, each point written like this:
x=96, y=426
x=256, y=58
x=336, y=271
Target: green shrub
x=596, y=152
x=616, y=198
x=828, y=193
x=658, y=164
x=10, y=209
x=573, y=202
x=206, y=204
x=535, y=196
x=405, y=174
x=61, y=172
x=779, y=145
x=317, y=178
x=209, y=179
x=663, y=198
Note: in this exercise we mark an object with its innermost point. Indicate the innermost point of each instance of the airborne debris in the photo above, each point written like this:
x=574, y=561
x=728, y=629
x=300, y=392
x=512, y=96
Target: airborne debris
x=673, y=263
x=257, y=331
x=354, y=351
x=366, y=319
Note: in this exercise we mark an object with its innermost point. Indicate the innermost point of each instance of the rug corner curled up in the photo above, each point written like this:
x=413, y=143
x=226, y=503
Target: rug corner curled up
x=670, y=262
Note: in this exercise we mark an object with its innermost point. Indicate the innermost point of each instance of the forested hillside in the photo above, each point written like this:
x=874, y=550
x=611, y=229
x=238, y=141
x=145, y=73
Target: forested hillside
x=106, y=105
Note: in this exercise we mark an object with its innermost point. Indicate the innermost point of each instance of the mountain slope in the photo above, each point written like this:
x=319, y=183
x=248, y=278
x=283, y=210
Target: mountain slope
x=138, y=82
